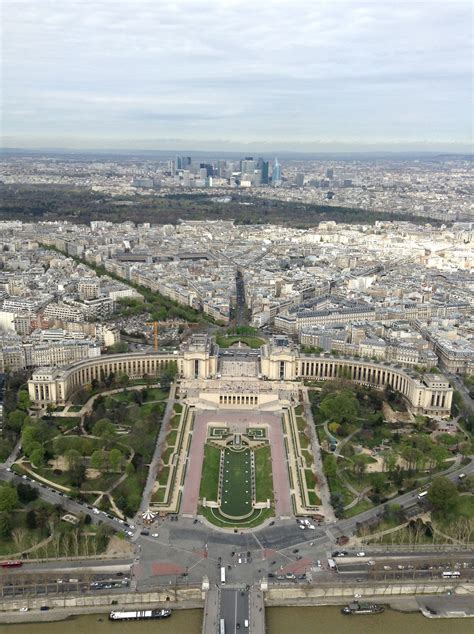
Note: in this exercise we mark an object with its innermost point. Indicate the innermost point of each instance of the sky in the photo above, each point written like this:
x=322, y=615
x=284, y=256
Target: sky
x=289, y=75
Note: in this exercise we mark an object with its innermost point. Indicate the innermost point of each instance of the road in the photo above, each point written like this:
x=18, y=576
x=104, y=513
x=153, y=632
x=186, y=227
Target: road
x=240, y=295
x=234, y=609
x=463, y=391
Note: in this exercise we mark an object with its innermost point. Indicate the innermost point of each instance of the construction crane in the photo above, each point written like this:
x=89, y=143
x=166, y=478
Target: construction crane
x=154, y=324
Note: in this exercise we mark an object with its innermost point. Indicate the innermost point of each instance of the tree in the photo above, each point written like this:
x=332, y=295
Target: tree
x=168, y=375
x=123, y=380
x=77, y=474
x=24, y=401
x=115, y=459
x=16, y=419
x=73, y=458
x=390, y=460
x=31, y=519
x=104, y=428
x=98, y=459
x=5, y=525
x=359, y=464
x=8, y=498
x=37, y=457
x=30, y=435
x=26, y=493
x=443, y=494
x=340, y=407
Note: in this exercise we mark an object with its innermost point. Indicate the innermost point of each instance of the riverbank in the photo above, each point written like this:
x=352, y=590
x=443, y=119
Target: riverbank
x=432, y=600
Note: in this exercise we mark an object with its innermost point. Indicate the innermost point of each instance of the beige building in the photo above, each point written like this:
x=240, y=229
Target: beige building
x=279, y=360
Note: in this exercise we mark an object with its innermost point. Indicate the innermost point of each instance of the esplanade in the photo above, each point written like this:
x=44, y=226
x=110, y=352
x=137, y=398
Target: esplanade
x=279, y=360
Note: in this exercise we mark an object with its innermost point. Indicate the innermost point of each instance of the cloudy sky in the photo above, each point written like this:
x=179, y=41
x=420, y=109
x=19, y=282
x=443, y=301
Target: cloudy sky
x=212, y=74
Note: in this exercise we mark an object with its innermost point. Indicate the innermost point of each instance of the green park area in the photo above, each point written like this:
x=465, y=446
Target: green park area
x=101, y=458
x=236, y=485
x=33, y=529
x=368, y=459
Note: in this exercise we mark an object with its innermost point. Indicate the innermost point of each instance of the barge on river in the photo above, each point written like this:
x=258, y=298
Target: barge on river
x=362, y=608
x=138, y=615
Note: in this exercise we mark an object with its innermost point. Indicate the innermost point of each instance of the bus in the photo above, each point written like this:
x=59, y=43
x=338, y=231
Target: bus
x=222, y=626
x=11, y=564
x=448, y=574
x=222, y=575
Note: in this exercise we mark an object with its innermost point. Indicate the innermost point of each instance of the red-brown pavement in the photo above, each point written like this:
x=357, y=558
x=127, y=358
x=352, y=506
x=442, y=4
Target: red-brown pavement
x=296, y=567
x=239, y=420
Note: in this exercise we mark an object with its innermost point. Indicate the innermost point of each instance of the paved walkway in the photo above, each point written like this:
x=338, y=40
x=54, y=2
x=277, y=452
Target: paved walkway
x=323, y=492
x=192, y=484
x=155, y=461
x=239, y=420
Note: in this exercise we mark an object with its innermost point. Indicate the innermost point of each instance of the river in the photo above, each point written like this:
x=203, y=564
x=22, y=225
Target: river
x=300, y=620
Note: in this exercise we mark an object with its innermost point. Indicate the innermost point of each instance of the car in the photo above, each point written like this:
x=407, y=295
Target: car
x=387, y=567
x=302, y=526
x=461, y=476
x=129, y=533
x=43, y=608
x=296, y=550
x=290, y=575
x=357, y=596
x=24, y=477
x=270, y=575
x=361, y=554
x=155, y=534
x=371, y=562
x=95, y=511
x=318, y=563
x=24, y=609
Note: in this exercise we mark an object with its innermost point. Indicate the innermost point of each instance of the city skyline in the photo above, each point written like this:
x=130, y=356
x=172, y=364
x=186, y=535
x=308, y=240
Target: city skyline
x=340, y=76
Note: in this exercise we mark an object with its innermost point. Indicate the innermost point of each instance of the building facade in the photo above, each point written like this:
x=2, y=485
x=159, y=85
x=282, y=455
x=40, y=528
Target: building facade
x=279, y=360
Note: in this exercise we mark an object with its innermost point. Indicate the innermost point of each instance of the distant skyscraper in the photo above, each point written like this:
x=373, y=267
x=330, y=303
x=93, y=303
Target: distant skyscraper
x=300, y=179
x=247, y=165
x=330, y=173
x=265, y=167
x=179, y=163
x=276, y=173
x=208, y=167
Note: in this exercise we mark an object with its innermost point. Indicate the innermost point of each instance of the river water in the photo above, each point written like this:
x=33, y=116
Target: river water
x=300, y=620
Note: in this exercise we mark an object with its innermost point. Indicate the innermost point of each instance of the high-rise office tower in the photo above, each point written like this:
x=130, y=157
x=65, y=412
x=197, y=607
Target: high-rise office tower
x=300, y=179
x=330, y=173
x=208, y=167
x=276, y=173
x=265, y=167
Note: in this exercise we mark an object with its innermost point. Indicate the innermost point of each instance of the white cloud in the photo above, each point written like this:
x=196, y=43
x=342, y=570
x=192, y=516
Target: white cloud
x=238, y=70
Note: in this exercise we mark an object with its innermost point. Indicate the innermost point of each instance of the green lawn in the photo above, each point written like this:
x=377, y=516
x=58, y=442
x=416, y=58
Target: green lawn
x=360, y=507
x=210, y=473
x=171, y=438
x=163, y=476
x=167, y=454
x=258, y=516
x=466, y=506
x=300, y=423
x=263, y=474
x=236, y=486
